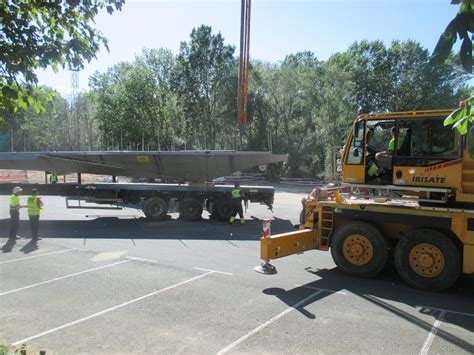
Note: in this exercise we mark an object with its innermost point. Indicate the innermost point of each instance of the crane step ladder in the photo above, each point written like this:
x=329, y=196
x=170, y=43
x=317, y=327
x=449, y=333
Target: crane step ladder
x=326, y=219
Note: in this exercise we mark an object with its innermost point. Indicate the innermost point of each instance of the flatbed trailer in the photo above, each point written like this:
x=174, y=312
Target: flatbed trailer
x=155, y=199
x=430, y=246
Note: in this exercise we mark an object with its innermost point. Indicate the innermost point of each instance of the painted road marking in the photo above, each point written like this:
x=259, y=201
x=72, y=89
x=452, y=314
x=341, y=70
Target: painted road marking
x=214, y=271
x=434, y=329
x=110, y=309
x=322, y=289
x=447, y=311
x=141, y=259
x=63, y=277
x=267, y=323
x=36, y=256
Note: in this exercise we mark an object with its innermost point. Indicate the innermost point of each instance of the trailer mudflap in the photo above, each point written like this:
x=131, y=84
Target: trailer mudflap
x=280, y=245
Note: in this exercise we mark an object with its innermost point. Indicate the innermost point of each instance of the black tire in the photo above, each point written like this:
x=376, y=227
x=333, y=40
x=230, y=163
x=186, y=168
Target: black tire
x=155, y=209
x=359, y=249
x=223, y=209
x=428, y=259
x=190, y=209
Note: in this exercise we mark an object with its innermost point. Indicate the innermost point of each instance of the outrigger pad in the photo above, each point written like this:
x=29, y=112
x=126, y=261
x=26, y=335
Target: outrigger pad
x=266, y=268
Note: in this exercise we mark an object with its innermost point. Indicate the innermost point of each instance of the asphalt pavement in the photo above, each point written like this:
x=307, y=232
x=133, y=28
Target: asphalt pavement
x=109, y=282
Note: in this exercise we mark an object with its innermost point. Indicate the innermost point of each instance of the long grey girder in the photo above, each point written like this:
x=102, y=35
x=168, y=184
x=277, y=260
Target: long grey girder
x=191, y=166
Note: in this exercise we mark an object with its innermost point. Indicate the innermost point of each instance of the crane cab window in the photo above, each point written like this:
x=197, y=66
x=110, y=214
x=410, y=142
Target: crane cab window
x=427, y=141
x=355, y=154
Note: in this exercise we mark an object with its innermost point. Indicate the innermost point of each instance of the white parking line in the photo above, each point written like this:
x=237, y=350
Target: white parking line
x=36, y=256
x=63, y=277
x=109, y=309
x=448, y=311
x=214, y=271
x=141, y=259
x=267, y=323
x=322, y=289
x=434, y=329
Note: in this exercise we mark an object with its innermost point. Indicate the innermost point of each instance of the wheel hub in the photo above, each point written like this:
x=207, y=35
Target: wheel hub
x=426, y=260
x=357, y=249
x=156, y=209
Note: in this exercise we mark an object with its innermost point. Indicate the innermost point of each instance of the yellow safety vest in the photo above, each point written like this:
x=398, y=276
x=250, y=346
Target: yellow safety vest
x=14, y=202
x=32, y=204
x=235, y=193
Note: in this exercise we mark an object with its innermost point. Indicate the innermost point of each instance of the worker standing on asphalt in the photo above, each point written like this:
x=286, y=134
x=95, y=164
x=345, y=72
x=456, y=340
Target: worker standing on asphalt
x=15, y=214
x=237, y=196
x=34, y=205
x=53, y=179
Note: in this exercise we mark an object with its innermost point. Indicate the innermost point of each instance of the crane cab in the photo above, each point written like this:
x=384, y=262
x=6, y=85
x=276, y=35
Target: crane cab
x=411, y=151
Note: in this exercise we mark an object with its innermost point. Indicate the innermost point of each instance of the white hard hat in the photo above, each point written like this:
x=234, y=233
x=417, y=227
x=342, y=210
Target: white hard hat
x=17, y=189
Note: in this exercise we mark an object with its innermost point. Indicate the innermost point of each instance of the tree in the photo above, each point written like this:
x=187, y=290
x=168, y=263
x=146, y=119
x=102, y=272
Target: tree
x=38, y=34
x=201, y=76
x=461, y=26
x=401, y=77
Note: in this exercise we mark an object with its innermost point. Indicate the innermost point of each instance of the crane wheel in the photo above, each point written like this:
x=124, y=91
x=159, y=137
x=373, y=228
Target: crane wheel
x=223, y=209
x=359, y=249
x=155, y=209
x=190, y=209
x=428, y=259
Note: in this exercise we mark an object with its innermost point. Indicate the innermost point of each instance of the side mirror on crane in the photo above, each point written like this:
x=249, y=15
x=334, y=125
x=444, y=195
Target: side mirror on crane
x=355, y=151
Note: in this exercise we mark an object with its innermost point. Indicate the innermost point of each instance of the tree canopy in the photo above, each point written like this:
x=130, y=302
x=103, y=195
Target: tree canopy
x=39, y=34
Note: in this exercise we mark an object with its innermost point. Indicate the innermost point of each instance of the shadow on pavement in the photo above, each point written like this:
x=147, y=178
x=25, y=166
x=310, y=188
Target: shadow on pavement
x=119, y=228
x=32, y=245
x=387, y=289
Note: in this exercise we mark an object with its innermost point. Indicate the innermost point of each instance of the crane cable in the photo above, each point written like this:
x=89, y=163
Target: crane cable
x=244, y=67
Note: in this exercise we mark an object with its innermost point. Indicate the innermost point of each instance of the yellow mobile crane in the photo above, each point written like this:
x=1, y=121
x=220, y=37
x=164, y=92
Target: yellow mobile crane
x=408, y=195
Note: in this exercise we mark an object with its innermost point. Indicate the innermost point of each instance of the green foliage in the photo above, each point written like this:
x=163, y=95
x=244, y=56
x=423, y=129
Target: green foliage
x=462, y=118
x=40, y=34
x=133, y=102
x=201, y=80
x=462, y=25
x=4, y=350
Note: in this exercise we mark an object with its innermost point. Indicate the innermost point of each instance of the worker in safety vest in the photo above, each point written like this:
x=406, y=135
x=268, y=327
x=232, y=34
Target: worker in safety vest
x=53, y=178
x=374, y=171
x=34, y=205
x=15, y=214
x=237, y=196
x=391, y=144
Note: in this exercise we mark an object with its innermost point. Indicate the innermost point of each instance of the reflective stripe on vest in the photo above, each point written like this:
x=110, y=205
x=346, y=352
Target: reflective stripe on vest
x=235, y=193
x=14, y=202
x=32, y=204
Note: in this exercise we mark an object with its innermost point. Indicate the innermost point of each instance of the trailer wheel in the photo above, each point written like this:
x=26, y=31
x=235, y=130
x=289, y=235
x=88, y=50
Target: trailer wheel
x=190, y=209
x=427, y=259
x=223, y=209
x=155, y=209
x=359, y=249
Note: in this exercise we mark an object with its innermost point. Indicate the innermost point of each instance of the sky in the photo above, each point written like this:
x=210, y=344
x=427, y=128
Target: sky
x=278, y=28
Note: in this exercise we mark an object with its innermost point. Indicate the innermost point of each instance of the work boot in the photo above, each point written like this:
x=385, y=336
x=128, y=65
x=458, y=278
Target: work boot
x=242, y=221
x=17, y=237
x=231, y=220
x=37, y=238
